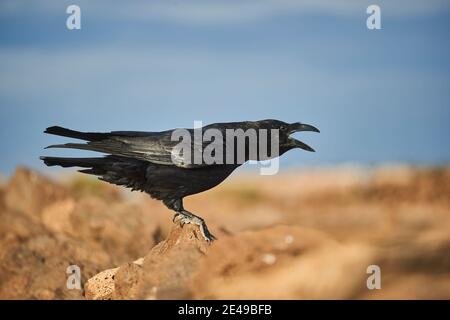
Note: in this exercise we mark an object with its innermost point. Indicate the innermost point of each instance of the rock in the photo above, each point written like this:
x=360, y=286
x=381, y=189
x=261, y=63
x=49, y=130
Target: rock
x=165, y=272
x=101, y=286
x=44, y=230
x=295, y=263
x=170, y=266
x=57, y=216
x=277, y=241
x=113, y=283
x=2, y=199
x=184, y=266
x=30, y=192
x=331, y=271
x=123, y=230
x=33, y=262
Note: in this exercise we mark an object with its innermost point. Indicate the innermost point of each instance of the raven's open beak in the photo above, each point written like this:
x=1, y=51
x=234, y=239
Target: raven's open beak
x=298, y=127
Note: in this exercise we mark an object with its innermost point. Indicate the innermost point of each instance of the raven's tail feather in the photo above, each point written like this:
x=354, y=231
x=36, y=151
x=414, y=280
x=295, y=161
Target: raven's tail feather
x=75, y=162
x=118, y=170
x=89, y=136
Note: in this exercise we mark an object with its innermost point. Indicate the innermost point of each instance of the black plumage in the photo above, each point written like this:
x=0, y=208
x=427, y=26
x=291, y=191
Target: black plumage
x=144, y=161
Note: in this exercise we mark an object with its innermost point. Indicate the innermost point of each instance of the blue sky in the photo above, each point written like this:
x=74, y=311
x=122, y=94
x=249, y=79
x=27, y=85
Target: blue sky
x=377, y=96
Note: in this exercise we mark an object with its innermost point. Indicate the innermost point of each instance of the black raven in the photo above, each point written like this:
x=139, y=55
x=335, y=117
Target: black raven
x=146, y=161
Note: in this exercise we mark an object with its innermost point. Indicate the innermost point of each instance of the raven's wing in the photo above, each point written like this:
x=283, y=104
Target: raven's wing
x=155, y=147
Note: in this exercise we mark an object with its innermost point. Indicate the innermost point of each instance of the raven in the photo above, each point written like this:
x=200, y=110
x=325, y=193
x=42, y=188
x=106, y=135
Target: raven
x=147, y=161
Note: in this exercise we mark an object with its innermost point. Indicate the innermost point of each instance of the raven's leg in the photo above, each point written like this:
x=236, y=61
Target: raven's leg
x=183, y=216
x=175, y=205
x=188, y=217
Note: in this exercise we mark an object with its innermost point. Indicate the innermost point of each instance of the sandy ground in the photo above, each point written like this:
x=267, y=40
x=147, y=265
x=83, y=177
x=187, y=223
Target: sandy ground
x=298, y=235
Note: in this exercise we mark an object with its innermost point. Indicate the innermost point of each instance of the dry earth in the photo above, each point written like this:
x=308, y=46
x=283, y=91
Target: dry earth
x=300, y=235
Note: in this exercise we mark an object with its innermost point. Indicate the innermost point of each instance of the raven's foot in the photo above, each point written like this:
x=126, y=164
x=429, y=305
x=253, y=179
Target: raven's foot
x=185, y=217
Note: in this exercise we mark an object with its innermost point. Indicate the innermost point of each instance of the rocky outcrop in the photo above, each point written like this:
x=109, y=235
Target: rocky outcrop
x=165, y=272
x=44, y=229
x=276, y=239
x=185, y=266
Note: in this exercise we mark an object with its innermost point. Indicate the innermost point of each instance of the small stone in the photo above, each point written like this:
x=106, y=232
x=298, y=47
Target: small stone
x=269, y=259
x=289, y=239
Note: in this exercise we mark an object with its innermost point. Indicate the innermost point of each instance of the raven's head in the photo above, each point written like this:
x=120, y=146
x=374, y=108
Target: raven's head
x=285, y=130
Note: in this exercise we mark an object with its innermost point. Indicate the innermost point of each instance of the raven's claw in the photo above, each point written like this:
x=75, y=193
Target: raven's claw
x=206, y=234
x=187, y=217
x=176, y=215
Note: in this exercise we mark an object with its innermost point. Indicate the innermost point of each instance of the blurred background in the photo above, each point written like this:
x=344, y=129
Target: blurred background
x=375, y=192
